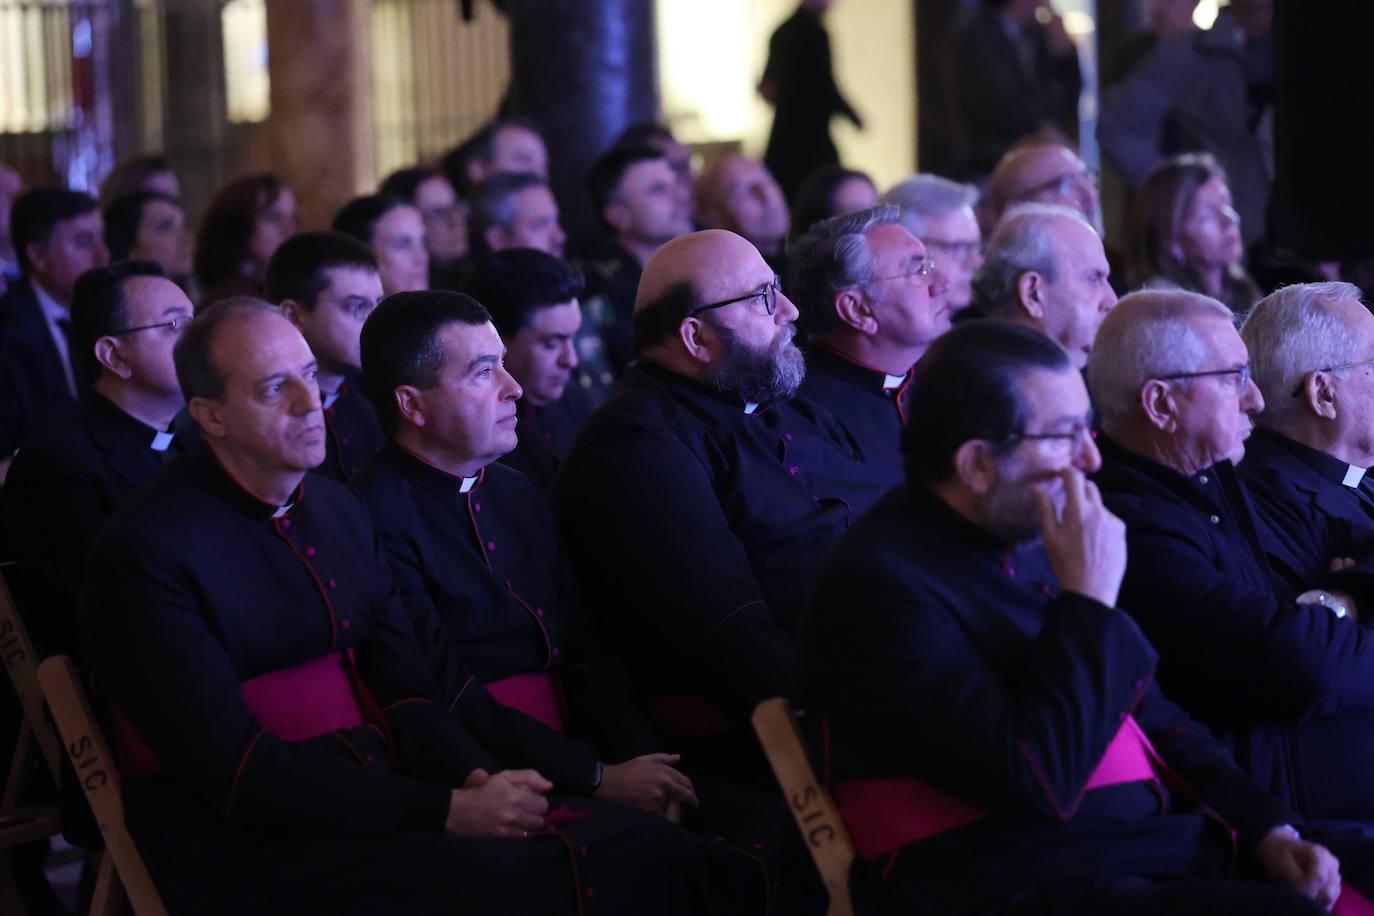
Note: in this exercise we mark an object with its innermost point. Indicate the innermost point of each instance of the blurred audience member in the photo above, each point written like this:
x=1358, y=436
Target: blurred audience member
x=515, y=210
x=149, y=226
x=1008, y=76
x=739, y=194
x=1045, y=173
x=939, y=212
x=152, y=172
x=799, y=81
x=395, y=231
x=829, y=191
x=508, y=145
x=446, y=221
x=1185, y=233
x=10, y=187
x=243, y=225
x=655, y=135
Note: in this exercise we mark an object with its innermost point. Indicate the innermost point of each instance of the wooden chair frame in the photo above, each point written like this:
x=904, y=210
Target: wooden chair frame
x=817, y=815
x=121, y=868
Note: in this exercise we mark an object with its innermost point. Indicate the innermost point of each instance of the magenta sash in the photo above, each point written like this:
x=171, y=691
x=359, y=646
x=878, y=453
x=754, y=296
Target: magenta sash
x=309, y=699
x=886, y=814
x=535, y=693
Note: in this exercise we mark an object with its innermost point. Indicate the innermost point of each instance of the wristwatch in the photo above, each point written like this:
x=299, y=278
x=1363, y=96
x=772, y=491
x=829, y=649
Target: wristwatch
x=1326, y=600
x=596, y=775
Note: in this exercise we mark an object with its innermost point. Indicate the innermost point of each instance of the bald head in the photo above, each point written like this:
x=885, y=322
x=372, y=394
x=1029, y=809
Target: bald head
x=707, y=260
x=739, y=194
x=1046, y=173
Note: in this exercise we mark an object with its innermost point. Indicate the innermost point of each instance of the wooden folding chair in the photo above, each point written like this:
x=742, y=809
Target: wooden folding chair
x=817, y=816
x=18, y=823
x=121, y=866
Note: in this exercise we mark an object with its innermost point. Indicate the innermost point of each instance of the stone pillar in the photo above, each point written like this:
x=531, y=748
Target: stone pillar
x=583, y=70
x=319, y=135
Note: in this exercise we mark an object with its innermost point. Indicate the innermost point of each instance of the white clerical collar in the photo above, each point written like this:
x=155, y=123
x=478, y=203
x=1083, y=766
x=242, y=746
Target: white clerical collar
x=1353, y=475
x=161, y=441
x=329, y=399
x=467, y=484
x=750, y=406
x=281, y=511
x=893, y=381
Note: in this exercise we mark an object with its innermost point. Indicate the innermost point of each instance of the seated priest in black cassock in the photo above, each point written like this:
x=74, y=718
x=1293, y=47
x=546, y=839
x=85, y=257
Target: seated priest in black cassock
x=327, y=283
x=1311, y=351
x=1286, y=677
x=533, y=300
x=994, y=736
x=871, y=302
x=693, y=501
x=280, y=737
x=66, y=483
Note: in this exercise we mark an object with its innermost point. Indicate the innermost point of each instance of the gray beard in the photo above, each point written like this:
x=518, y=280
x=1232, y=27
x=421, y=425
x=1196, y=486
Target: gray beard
x=765, y=377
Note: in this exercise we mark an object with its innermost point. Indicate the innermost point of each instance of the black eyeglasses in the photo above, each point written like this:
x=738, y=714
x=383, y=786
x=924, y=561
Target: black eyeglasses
x=1302, y=383
x=177, y=325
x=1070, y=438
x=1242, y=374
x=769, y=295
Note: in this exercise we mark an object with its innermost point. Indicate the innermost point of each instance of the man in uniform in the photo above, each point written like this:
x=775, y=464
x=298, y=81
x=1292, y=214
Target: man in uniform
x=327, y=284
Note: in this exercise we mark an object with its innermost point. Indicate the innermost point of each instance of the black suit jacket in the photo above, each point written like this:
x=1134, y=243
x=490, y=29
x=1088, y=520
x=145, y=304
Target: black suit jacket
x=62, y=489
x=33, y=386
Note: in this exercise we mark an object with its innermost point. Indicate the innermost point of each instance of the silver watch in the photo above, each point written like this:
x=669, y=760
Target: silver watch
x=1326, y=600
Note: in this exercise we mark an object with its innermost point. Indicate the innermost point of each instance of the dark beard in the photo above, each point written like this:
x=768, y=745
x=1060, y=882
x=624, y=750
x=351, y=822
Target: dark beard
x=765, y=377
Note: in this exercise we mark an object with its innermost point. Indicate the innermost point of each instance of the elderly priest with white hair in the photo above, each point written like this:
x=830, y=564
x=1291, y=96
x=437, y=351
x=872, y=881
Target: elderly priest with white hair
x=1285, y=677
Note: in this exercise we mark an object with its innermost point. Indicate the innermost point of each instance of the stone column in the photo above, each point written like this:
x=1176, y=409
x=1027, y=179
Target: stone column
x=319, y=135
x=584, y=70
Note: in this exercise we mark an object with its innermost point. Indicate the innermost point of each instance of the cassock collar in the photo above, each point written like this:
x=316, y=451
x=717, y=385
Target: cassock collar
x=228, y=488
x=1203, y=489
x=698, y=391
x=420, y=471
x=113, y=423
x=821, y=356
x=1327, y=466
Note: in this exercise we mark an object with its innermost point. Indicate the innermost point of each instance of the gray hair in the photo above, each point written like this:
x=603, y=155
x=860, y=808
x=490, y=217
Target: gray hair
x=1020, y=244
x=1290, y=333
x=1148, y=334
x=922, y=196
x=832, y=256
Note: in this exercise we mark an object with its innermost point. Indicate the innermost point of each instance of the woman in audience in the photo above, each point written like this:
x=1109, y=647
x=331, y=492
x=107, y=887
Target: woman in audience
x=395, y=232
x=149, y=226
x=829, y=191
x=246, y=220
x=445, y=218
x=1186, y=234
x=150, y=172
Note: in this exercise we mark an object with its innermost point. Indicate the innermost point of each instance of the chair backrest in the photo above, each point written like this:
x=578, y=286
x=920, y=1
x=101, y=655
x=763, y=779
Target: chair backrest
x=95, y=769
x=16, y=650
x=817, y=816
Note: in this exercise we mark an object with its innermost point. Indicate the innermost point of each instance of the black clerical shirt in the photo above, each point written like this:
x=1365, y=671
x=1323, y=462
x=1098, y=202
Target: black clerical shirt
x=354, y=433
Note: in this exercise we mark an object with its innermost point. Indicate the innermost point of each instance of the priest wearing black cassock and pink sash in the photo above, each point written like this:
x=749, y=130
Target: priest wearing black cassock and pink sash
x=993, y=734
x=278, y=730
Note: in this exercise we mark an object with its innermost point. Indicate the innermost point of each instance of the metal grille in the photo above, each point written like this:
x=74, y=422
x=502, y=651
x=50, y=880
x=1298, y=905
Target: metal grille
x=435, y=78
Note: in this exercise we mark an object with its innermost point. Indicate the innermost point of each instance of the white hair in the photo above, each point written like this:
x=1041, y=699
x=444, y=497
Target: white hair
x=1148, y=334
x=1020, y=244
x=1292, y=332
x=923, y=196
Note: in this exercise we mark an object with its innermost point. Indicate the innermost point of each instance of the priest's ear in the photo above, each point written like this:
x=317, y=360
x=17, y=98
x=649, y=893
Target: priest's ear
x=1030, y=293
x=1160, y=405
x=108, y=355
x=291, y=310
x=853, y=309
x=1318, y=394
x=695, y=339
x=208, y=415
x=975, y=464
x=410, y=405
